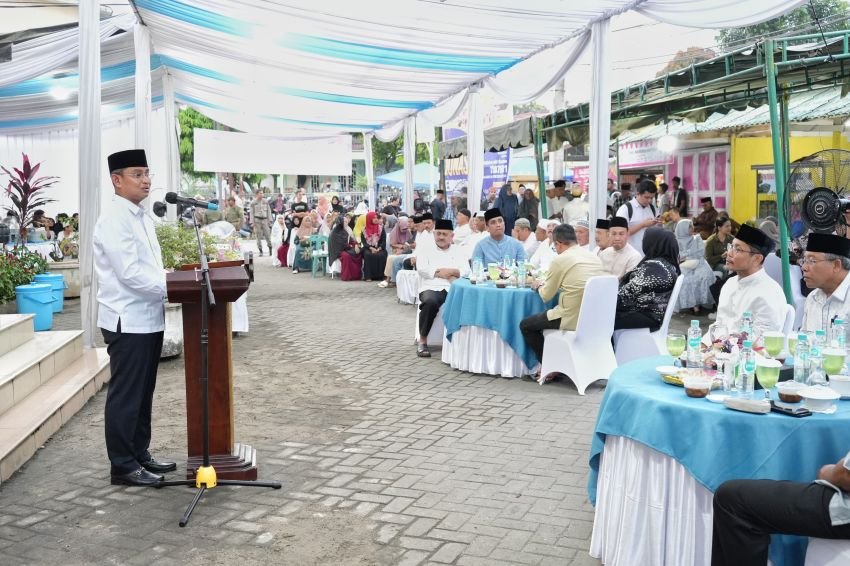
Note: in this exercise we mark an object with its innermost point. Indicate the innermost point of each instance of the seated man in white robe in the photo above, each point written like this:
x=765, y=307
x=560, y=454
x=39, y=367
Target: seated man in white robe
x=826, y=269
x=523, y=233
x=545, y=252
x=582, y=228
x=751, y=289
x=620, y=257
x=438, y=266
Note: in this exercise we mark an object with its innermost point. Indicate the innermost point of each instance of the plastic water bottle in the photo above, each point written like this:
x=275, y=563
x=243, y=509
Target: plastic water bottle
x=801, y=359
x=745, y=383
x=838, y=339
x=730, y=373
x=747, y=325
x=520, y=275
x=820, y=342
x=694, y=353
x=816, y=376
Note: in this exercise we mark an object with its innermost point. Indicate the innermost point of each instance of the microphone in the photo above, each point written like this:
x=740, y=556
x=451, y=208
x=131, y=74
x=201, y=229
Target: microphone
x=174, y=198
x=160, y=208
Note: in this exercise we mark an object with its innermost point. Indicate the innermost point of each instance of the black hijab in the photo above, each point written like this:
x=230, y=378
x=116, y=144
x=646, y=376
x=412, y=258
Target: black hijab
x=338, y=241
x=660, y=244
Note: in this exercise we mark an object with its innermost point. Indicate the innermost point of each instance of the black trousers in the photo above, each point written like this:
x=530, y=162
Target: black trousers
x=746, y=512
x=133, y=360
x=635, y=319
x=429, y=305
x=532, y=331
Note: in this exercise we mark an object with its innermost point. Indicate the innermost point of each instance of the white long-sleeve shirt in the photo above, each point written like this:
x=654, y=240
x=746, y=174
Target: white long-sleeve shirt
x=619, y=262
x=432, y=259
x=757, y=293
x=821, y=311
x=128, y=265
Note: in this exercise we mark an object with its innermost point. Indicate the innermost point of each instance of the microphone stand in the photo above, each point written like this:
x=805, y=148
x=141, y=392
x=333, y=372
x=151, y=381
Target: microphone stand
x=205, y=476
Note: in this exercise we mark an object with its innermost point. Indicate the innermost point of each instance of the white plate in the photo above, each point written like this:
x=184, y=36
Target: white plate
x=668, y=370
x=716, y=397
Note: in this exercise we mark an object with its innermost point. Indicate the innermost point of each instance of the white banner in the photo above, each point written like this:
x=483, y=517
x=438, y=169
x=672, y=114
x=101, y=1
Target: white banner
x=228, y=152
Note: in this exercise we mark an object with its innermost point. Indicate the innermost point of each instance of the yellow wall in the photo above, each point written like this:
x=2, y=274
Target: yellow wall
x=747, y=152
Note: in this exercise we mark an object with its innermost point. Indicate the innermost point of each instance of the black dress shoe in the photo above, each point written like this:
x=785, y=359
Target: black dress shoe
x=159, y=467
x=140, y=477
x=422, y=351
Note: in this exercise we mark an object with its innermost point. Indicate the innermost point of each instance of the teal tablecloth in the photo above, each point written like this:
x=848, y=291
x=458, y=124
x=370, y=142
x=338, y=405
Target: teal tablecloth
x=716, y=444
x=496, y=309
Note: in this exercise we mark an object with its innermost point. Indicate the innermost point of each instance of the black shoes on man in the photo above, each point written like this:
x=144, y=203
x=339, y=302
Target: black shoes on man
x=423, y=351
x=146, y=476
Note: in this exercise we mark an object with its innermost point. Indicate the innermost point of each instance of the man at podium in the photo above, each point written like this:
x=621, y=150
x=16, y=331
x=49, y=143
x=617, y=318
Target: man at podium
x=131, y=316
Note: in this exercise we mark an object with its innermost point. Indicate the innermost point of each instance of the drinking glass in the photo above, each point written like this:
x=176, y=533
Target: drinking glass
x=773, y=342
x=676, y=345
x=717, y=333
x=833, y=360
x=493, y=271
x=792, y=344
x=767, y=372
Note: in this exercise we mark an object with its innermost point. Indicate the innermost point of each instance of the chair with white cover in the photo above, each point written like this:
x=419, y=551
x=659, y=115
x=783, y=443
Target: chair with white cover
x=407, y=286
x=585, y=354
x=773, y=267
x=634, y=343
x=827, y=552
x=438, y=329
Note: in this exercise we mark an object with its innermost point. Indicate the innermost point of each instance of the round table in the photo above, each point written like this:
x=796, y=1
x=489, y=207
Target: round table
x=482, y=328
x=657, y=456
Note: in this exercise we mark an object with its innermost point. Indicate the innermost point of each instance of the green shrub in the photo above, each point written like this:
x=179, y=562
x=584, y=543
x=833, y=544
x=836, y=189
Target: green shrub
x=18, y=266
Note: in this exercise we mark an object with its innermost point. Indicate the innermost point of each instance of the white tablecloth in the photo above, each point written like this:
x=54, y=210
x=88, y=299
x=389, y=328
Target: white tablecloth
x=649, y=509
x=239, y=314
x=479, y=350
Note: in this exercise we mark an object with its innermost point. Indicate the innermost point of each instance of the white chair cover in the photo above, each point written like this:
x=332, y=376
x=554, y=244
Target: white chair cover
x=634, y=343
x=773, y=267
x=407, y=286
x=239, y=314
x=480, y=350
x=438, y=329
x=825, y=552
x=585, y=354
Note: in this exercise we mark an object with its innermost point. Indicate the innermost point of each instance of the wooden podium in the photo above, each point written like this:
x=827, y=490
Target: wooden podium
x=229, y=281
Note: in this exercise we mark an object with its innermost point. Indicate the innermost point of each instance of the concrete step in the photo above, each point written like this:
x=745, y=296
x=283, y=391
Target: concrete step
x=35, y=362
x=15, y=329
x=33, y=420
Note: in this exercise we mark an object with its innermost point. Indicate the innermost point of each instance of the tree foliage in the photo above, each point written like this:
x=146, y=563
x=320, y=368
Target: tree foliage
x=190, y=119
x=832, y=14
x=686, y=58
x=389, y=156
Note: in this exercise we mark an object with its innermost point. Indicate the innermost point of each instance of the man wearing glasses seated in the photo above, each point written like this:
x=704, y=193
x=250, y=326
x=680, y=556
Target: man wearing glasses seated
x=751, y=288
x=826, y=269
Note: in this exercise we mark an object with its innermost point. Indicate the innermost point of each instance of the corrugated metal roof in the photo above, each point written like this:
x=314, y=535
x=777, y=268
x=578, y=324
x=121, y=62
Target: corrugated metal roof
x=802, y=107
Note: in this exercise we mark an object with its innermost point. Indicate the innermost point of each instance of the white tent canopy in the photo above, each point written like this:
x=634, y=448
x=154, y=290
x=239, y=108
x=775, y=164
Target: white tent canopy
x=265, y=66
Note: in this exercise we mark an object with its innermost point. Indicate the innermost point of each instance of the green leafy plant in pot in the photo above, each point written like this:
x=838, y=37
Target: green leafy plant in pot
x=26, y=191
x=18, y=266
x=180, y=246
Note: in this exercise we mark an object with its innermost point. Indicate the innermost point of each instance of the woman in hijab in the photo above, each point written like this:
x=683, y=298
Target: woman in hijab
x=400, y=239
x=373, y=241
x=303, y=252
x=336, y=206
x=645, y=291
x=359, y=225
x=528, y=208
x=697, y=275
x=280, y=241
x=361, y=208
x=507, y=204
x=770, y=228
x=341, y=246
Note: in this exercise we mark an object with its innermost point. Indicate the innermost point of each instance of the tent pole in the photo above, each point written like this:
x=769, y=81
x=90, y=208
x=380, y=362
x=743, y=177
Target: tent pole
x=776, y=135
x=538, y=159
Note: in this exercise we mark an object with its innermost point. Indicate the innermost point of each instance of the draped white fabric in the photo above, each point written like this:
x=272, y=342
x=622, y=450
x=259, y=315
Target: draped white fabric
x=715, y=13
x=370, y=166
x=49, y=52
x=90, y=165
x=649, y=509
x=600, y=123
x=171, y=142
x=142, y=41
x=407, y=286
x=409, y=162
x=475, y=156
x=390, y=133
x=479, y=350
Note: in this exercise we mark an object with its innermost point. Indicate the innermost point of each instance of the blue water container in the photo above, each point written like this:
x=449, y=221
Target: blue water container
x=57, y=284
x=37, y=299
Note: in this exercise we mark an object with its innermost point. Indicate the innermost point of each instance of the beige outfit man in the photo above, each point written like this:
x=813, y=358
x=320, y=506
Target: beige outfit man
x=261, y=214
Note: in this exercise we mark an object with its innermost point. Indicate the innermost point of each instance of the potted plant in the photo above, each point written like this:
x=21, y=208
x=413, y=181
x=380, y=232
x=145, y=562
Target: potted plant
x=25, y=190
x=18, y=266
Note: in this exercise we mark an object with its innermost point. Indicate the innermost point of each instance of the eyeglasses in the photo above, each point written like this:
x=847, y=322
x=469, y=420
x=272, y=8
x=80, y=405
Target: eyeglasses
x=738, y=250
x=811, y=261
x=138, y=175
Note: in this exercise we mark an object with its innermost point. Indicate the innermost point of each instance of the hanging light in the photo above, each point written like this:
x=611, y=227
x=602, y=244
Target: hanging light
x=60, y=92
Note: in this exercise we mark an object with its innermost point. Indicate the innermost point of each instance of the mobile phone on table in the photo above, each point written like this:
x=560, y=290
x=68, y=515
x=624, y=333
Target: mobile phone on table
x=790, y=411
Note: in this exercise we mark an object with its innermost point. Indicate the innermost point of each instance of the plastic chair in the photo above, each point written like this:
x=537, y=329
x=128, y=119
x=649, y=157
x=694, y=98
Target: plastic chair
x=585, y=354
x=319, y=252
x=438, y=329
x=634, y=343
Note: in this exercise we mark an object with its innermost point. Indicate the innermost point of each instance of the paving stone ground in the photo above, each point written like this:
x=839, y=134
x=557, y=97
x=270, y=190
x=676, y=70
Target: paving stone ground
x=385, y=458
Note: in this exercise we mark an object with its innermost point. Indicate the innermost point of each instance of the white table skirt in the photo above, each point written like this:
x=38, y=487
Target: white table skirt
x=239, y=314
x=649, y=509
x=407, y=286
x=479, y=350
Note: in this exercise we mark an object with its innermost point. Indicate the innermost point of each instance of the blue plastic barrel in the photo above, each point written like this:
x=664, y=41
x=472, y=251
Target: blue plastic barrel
x=37, y=299
x=57, y=284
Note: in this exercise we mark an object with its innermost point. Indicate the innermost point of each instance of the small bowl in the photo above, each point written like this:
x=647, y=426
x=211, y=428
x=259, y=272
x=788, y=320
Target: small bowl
x=841, y=383
x=501, y=283
x=697, y=386
x=789, y=391
x=819, y=398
